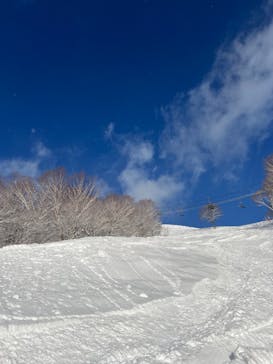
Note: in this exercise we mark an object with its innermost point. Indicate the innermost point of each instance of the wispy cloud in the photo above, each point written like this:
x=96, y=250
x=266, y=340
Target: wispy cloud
x=26, y=167
x=215, y=123
x=108, y=133
x=136, y=178
x=138, y=152
x=41, y=151
x=268, y=6
x=137, y=183
x=19, y=166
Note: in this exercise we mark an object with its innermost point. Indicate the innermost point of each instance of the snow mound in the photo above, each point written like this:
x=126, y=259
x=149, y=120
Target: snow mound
x=186, y=296
x=175, y=230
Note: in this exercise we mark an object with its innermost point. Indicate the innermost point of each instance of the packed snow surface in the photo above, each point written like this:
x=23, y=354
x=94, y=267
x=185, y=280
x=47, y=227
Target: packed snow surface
x=187, y=296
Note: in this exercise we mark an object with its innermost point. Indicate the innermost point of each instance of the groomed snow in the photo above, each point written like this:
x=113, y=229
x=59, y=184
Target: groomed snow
x=188, y=296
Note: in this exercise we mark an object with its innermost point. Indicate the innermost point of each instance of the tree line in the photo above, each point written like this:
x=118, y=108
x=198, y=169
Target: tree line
x=58, y=206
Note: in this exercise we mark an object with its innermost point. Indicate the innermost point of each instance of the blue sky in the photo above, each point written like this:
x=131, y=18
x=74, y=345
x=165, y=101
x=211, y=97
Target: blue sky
x=164, y=99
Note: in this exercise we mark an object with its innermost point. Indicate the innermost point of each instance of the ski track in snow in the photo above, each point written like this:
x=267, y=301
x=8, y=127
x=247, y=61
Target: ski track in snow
x=193, y=296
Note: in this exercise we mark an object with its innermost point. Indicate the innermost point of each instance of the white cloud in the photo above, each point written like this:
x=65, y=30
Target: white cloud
x=19, y=166
x=26, y=167
x=136, y=181
x=138, y=153
x=215, y=123
x=41, y=150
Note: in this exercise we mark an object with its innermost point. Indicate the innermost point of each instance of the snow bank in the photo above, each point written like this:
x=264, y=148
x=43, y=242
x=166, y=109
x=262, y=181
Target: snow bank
x=187, y=296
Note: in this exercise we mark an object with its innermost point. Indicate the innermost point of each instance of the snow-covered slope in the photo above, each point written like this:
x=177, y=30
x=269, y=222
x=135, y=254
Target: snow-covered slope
x=187, y=296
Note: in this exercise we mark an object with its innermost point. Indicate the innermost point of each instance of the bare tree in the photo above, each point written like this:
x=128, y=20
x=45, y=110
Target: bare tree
x=264, y=197
x=68, y=200
x=57, y=206
x=19, y=211
x=210, y=212
x=147, y=219
x=119, y=211
x=124, y=217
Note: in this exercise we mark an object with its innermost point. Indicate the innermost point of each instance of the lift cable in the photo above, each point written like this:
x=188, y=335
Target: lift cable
x=191, y=208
